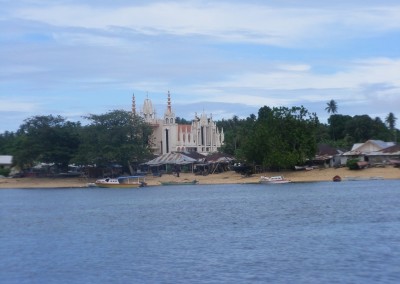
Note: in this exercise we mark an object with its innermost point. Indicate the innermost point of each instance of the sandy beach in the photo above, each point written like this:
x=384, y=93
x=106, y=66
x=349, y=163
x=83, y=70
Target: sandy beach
x=221, y=178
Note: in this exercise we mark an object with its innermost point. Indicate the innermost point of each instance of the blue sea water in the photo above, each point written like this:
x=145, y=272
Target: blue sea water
x=322, y=232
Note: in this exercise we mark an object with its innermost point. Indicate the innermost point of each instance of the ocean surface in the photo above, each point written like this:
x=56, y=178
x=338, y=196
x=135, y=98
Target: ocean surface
x=320, y=232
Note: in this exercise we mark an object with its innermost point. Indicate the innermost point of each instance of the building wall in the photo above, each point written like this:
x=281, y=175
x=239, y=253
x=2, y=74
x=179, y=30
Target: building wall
x=201, y=136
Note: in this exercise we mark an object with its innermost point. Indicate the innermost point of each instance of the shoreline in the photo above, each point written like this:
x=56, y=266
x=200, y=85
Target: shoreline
x=316, y=175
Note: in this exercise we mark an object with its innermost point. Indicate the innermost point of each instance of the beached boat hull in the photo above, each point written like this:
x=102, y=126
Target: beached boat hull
x=179, y=183
x=337, y=178
x=118, y=185
x=275, y=182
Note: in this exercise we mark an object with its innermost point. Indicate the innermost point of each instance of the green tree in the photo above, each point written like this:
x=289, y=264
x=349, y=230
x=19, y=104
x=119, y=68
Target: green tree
x=281, y=137
x=180, y=120
x=390, y=121
x=47, y=139
x=231, y=129
x=363, y=128
x=338, y=123
x=7, y=141
x=332, y=109
x=117, y=137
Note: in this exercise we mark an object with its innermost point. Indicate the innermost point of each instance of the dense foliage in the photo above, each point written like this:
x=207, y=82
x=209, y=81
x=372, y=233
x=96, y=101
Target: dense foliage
x=346, y=130
x=116, y=137
x=47, y=139
x=352, y=164
x=278, y=138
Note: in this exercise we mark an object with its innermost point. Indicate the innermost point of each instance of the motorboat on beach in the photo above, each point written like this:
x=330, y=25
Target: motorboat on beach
x=122, y=182
x=274, y=180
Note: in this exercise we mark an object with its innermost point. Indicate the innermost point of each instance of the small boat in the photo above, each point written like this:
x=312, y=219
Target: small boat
x=303, y=168
x=179, y=182
x=274, y=180
x=336, y=178
x=122, y=182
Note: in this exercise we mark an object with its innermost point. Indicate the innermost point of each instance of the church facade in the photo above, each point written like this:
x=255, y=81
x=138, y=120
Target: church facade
x=201, y=136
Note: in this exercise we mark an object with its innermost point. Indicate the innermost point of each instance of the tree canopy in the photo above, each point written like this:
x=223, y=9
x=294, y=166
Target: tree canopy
x=390, y=121
x=47, y=139
x=331, y=107
x=281, y=137
x=115, y=137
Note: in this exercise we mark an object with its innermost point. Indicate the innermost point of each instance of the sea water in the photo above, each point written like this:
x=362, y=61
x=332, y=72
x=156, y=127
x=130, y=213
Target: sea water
x=321, y=232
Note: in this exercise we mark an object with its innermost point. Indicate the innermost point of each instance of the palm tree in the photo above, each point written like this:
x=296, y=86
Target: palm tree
x=332, y=108
x=391, y=123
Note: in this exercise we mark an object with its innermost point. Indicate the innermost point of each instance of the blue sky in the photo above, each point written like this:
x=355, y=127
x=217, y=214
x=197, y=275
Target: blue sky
x=72, y=58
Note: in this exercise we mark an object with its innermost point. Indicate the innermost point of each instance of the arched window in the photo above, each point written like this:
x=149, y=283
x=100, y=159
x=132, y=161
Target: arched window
x=172, y=120
x=166, y=120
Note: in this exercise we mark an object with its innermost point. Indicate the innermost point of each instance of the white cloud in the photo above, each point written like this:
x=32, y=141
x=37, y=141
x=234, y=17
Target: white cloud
x=222, y=54
x=224, y=21
x=294, y=67
x=80, y=38
x=362, y=85
x=20, y=70
x=18, y=105
x=358, y=73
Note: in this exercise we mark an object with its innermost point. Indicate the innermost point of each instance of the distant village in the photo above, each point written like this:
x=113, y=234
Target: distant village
x=195, y=148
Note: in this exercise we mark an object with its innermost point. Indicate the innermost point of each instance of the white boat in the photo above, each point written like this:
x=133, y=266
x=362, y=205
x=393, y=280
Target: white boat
x=122, y=182
x=274, y=180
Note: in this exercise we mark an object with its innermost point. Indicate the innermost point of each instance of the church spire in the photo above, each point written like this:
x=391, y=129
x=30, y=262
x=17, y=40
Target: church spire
x=169, y=110
x=133, y=104
x=169, y=115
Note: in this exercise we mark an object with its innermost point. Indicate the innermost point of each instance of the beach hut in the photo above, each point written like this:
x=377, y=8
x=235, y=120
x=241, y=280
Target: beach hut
x=370, y=151
x=167, y=162
x=5, y=161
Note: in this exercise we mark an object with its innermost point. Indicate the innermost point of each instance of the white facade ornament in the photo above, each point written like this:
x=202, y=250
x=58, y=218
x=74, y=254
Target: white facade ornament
x=201, y=136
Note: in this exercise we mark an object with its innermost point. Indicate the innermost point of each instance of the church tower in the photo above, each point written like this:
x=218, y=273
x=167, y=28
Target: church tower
x=169, y=115
x=149, y=112
x=133, y=104
x=169, y=128
x=201, y=136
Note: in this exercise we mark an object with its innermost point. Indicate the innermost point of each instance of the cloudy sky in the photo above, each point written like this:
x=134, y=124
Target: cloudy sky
x=72, y=58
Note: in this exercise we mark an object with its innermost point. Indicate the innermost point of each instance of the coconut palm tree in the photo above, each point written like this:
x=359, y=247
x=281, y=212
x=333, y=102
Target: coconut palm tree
x=332, y=108
x=391, y=123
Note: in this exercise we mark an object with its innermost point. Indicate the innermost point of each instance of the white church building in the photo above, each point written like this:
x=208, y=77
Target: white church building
x=201, y=136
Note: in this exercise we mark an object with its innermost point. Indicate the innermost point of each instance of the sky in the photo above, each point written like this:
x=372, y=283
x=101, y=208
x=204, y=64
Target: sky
x=73, y=58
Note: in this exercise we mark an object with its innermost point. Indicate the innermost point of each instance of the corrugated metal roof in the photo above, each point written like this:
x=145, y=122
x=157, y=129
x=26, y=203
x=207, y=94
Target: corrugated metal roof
x=171, y=158
x=357, y=148
x=219, y=158
x=6, y=159
x=395, y=149
x=382, y=144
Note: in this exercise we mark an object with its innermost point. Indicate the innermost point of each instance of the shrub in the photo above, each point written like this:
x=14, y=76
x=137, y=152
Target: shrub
x=352, y=164
x=4, y=172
